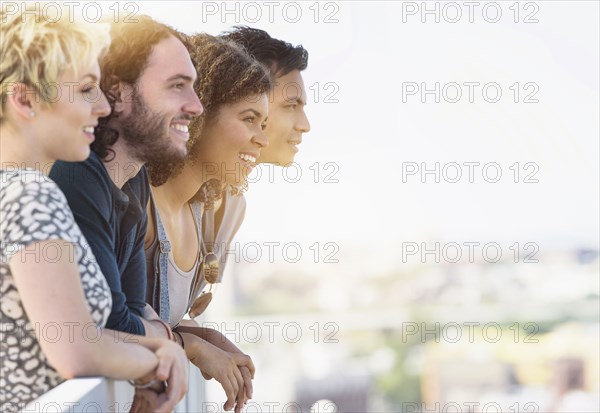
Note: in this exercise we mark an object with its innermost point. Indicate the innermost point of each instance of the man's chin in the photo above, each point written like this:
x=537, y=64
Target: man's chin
x=165, y=156
x=180, y=154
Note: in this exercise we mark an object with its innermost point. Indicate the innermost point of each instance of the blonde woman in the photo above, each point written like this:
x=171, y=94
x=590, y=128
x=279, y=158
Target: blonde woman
x=54, y=299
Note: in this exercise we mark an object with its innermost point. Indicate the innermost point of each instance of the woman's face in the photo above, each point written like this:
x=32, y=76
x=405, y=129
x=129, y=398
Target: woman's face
x=232, y=140
x=66, y=129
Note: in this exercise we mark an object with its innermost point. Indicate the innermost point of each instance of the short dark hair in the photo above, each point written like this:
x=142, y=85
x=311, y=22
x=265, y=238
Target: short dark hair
x=131, y=47
x=279, y=56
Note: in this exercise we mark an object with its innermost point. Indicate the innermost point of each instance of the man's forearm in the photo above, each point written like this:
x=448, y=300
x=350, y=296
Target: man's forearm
x=155, y=328
x=212, y=336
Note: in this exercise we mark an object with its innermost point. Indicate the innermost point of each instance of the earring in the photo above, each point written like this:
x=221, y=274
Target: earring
x=32, y=114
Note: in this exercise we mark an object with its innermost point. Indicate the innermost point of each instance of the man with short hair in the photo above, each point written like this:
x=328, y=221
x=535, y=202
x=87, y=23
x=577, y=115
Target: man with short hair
x=287, y=120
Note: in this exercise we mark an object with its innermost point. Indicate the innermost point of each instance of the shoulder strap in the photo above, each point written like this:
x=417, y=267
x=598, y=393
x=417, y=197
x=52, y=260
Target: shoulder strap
x=208, y=229
x=196, y=208
x=160, y=295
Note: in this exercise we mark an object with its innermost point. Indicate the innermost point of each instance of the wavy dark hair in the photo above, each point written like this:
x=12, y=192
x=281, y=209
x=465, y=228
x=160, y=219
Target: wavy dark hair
x=126, y=59
x=279, y=56
x=226, y=74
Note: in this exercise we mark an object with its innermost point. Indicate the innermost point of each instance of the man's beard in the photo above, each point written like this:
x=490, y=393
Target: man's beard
x=146, y=134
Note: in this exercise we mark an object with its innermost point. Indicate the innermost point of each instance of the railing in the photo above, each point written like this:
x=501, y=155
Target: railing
x=99, y=394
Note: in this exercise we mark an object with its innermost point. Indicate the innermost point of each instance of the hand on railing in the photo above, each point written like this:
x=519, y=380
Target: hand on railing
x=246, y=394
x=216, y=338
x=162, y=390
x=225, y=367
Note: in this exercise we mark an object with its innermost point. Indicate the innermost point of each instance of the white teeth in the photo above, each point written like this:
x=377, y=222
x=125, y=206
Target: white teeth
x=247, y=157
x=88, y=129
x=180, y=128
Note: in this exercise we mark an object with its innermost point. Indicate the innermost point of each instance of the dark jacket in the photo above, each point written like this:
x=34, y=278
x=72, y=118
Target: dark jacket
x=114, y=223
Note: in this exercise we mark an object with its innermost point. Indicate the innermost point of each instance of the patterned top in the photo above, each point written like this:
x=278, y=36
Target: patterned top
x=33, y=209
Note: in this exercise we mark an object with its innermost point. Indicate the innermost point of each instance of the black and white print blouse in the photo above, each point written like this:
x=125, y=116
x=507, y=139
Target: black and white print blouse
x=33, y=209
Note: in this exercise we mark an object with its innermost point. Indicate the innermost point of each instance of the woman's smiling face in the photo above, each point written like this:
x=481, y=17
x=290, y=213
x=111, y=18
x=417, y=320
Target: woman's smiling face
x=232, y=139
x=67, y=127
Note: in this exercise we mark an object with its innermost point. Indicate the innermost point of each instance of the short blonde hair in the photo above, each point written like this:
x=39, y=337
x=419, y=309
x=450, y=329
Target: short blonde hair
x=37, y=49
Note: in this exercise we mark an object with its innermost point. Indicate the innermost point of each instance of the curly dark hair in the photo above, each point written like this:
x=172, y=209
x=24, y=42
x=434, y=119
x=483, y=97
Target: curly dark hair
x=226, y=74
x=279, y=56
x=125, y=61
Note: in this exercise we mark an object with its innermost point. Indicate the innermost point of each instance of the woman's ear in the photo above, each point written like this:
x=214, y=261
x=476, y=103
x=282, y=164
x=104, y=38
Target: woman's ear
x=23, y=100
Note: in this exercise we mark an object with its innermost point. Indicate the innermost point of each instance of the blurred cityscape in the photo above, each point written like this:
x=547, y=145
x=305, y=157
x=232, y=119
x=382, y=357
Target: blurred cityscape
x=457, y=337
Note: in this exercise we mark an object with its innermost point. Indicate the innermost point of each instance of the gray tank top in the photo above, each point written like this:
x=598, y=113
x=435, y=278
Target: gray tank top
x=180, y=282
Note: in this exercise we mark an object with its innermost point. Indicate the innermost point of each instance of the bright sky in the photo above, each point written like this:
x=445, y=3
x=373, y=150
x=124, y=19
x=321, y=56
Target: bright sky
x=372, y=65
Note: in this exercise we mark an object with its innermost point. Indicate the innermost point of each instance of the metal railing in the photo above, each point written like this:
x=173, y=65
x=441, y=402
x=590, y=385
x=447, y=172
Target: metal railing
x=99, y=394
